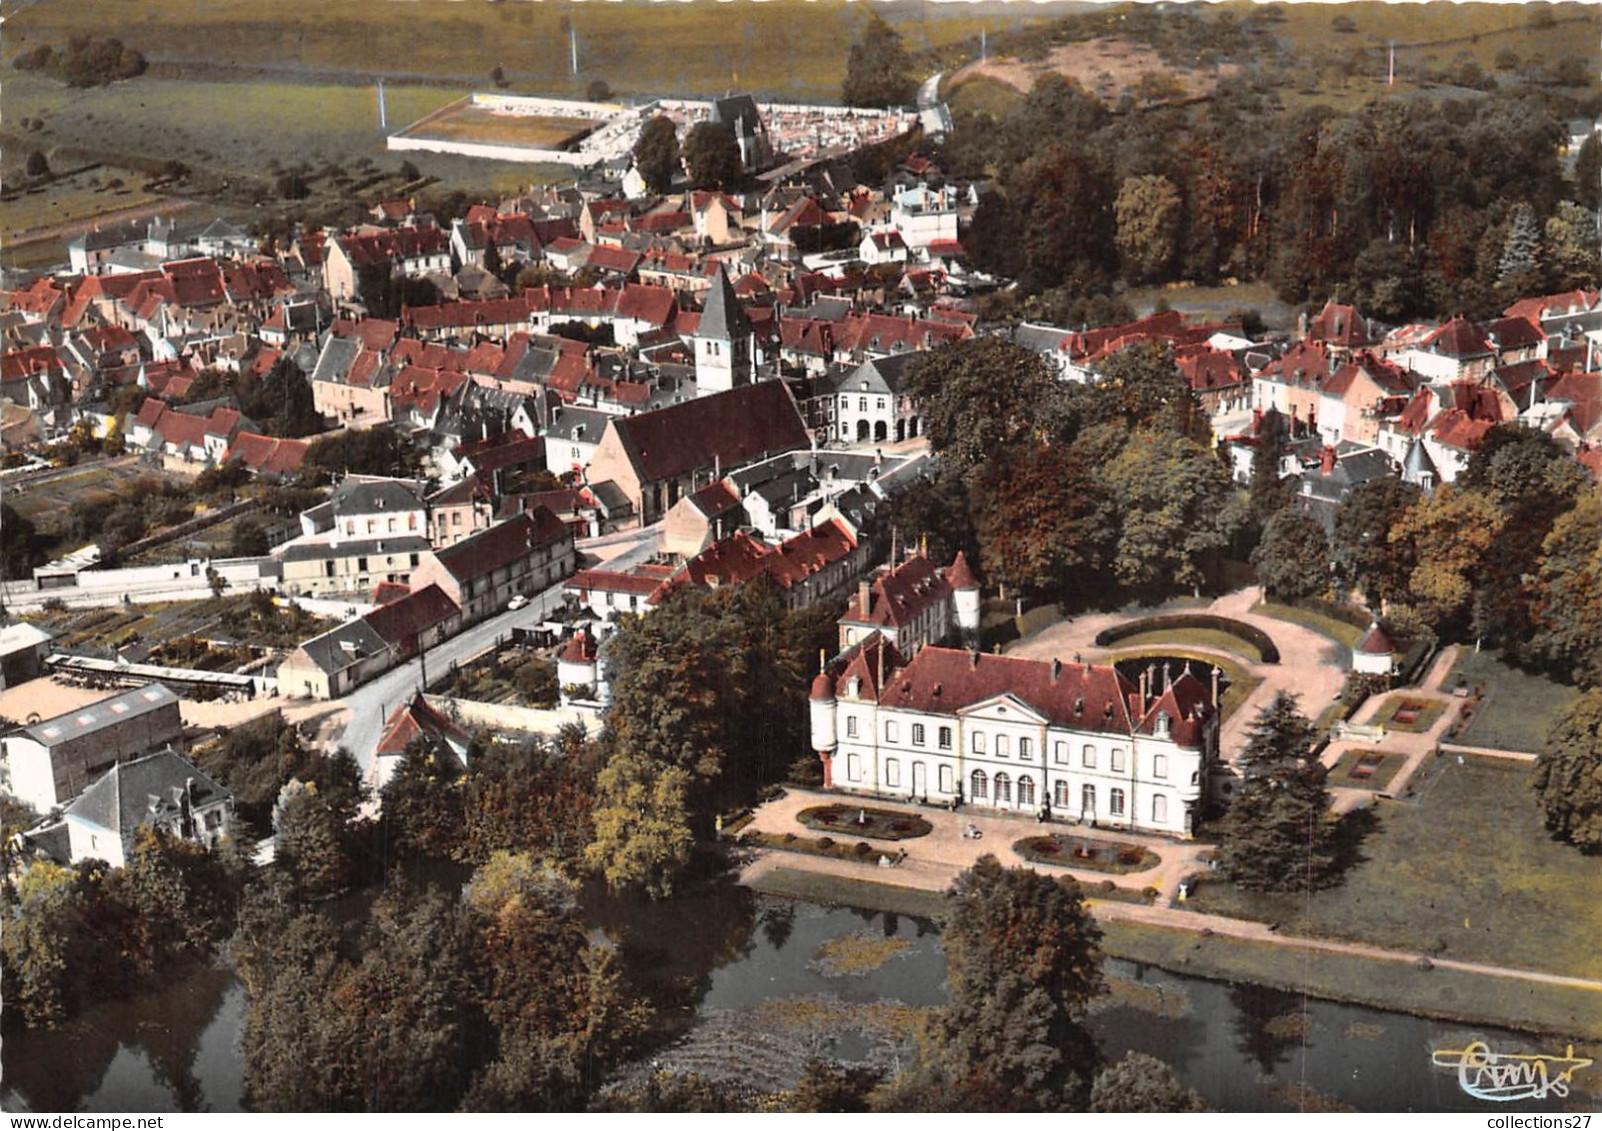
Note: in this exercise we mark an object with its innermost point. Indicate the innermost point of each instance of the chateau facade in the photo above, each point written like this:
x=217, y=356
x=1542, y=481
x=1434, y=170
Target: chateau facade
x=1067, y=741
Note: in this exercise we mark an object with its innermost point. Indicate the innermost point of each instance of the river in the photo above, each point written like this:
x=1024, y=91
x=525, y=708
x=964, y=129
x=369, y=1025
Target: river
x=752, y=985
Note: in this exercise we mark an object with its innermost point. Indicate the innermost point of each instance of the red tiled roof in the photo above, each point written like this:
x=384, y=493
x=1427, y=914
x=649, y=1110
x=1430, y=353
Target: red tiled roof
x=373, y=333
x=28, y=363
x=1454, y=428
x=387, y=592
x=715, y=498
x=1339, y=325
x=1207, y=368
x=1566, y=302
x=608, y=581
x=1375, y=642
x=960, y=574
x=483, y=312
x=1583, y=391
x=396, y=244
x=580, y=648
x=1458, y=338
x=415, y=719
x=899, y=596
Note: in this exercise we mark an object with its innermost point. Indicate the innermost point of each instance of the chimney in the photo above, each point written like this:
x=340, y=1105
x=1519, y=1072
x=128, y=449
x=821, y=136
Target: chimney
x=1326, y=462
x=864, y=595
x=1215, y=687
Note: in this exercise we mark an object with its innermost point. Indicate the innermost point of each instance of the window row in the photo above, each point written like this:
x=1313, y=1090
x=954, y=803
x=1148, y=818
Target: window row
x=979, y=744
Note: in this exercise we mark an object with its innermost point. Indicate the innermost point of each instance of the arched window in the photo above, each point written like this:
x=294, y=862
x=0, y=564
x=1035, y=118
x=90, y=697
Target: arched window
x=1026, y=791
x=1003, y=789
x=1087, y=800
x=1060, y=798
x=977, y=787
x=1159, y=808
x=1115, y=803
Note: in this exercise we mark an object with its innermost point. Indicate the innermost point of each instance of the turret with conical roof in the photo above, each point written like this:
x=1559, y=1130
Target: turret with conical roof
x=723, y=340
x=965, y=589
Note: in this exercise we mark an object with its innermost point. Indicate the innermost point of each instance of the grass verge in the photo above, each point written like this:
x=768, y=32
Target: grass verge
x=1449, y=994
x=1339, y=631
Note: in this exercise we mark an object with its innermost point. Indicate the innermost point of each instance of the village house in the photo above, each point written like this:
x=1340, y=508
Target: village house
x=49, y=762
x=871, y=403
x=165, y=791
x=524, y=555
x=1043, y=737
x=411, y=252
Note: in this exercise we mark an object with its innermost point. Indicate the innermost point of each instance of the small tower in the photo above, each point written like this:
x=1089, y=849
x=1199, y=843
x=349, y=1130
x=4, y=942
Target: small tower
x=824, y=740
x=965, y=588
x=723, y=340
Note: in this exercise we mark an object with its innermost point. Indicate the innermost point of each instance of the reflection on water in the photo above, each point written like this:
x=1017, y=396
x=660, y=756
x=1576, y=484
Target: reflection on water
x=172, y=1050
x=768, y=980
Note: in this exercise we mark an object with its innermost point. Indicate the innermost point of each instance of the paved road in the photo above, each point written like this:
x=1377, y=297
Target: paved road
x=371, y=704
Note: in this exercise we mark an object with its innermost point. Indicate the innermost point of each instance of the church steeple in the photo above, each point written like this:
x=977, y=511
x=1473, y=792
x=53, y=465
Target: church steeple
x=723, y=340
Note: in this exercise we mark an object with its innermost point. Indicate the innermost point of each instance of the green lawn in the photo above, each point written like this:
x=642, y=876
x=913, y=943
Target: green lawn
x=1518, y=708
x=1338, y=631
x=1384, y=766
x=1466, y=871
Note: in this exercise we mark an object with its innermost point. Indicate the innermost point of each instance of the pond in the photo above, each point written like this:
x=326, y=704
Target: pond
x=751, y=986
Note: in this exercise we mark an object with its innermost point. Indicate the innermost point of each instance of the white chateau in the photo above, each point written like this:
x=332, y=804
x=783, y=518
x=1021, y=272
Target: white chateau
x=1071, y=741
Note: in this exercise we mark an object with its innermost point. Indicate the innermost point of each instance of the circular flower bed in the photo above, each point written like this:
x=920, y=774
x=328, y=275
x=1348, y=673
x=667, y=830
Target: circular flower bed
x=861, y=821
x=1112, y=856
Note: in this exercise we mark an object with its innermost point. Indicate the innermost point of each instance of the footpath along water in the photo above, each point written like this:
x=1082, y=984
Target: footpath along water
x=766, y=982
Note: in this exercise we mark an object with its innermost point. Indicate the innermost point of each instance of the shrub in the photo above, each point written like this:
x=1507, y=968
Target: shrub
x=1107, y=885
x=826, y=842
x=1150, y=893
x=863, y=848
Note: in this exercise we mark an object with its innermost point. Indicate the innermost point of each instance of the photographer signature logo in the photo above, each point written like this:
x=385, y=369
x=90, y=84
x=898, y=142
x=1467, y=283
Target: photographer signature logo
x=1504, y=1077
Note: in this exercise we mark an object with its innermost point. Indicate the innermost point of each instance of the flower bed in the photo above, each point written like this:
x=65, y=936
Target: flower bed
x=1413, y=716
x=861, y=821
x=860, y=851
x=1068, y=851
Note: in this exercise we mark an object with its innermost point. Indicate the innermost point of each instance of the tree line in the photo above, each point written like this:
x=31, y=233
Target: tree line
x=1409, y=207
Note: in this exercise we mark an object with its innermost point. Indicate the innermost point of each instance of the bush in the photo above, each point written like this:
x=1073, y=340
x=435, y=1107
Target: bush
x=863, y=848
x=1251, y=634
x=826, y=842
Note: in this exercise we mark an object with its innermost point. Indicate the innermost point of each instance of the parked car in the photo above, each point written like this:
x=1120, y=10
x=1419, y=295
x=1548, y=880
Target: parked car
x=516, y=603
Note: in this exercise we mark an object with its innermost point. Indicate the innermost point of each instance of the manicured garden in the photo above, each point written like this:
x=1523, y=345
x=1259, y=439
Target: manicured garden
x=1409, y=714
x=1516, y=708
x=863, y=821
x=1366, y=769
x=1068, y=851
x=1465, y=869
x=858, y=850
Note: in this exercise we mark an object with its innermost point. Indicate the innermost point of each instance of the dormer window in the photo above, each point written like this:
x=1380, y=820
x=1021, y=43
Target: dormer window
x=1162, y=724
x=854, y=687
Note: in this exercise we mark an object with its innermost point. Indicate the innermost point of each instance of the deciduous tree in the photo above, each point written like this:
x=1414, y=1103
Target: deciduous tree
x=981, y=396
x=656, y=154
x=712, y=156
x=1147, y=212
x=1142, y=1083
x=1292, y=559
x=1568, y=775
x=1023, y=961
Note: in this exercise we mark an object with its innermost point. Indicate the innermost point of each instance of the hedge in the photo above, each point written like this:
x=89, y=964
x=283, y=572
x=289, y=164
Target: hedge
x=1251, y=634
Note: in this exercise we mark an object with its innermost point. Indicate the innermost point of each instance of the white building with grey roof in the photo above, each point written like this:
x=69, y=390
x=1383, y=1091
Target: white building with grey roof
x=49, y=762
x=164, y=790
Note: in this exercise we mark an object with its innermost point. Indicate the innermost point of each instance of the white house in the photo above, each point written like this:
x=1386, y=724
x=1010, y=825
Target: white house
x=164, y=789
x=924, y=215
x=1075, y=741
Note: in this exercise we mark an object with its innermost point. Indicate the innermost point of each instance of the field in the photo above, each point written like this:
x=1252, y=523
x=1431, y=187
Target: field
x=94, y=483
x=1105, y=66
x=1518, y=708
x=473, y=123
x=784, y=48
x=75, y=196
x=1466, y=871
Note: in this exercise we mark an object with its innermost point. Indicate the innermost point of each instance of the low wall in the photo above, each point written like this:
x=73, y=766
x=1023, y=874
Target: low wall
x=529, y=720
x=491, y=152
